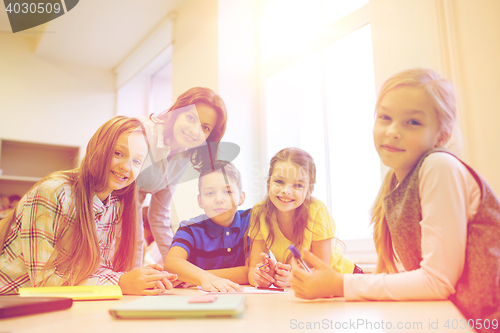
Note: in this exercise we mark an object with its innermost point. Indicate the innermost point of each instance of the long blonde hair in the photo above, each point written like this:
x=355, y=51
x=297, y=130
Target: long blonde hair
x=442, y=95
x=76, y=252
x=301, y=214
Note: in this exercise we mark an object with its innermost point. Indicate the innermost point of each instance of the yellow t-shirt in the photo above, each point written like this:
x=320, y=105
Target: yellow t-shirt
x=319, y=227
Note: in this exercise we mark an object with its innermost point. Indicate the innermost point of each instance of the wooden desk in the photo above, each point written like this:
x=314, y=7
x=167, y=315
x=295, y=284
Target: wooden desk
x=264, y=313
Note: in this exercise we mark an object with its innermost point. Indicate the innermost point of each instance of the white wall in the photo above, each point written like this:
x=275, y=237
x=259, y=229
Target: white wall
x=477, y=38
x=195, y=46
x=48, y=102
x=403, y=36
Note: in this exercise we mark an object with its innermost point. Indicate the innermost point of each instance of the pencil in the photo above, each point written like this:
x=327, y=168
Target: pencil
x=266, y=264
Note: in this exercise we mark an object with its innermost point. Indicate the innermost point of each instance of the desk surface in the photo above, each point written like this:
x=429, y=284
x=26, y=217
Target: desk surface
x=264, y=313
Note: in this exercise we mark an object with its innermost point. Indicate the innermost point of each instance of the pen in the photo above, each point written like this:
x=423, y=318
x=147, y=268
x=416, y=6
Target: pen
x=297, y=256
x=261, y=266
x=275, y=289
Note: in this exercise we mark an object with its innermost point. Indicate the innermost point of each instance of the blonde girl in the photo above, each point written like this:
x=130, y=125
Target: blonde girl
x=290, y=215
x=436, y=221
x=78, y=227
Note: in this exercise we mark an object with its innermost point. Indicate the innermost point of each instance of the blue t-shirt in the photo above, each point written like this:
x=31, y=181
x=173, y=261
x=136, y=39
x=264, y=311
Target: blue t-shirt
x=210, y=246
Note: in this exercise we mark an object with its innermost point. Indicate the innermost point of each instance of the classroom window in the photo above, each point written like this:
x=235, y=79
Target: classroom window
x=320, y=96
x=160, y=91
x=149, y=90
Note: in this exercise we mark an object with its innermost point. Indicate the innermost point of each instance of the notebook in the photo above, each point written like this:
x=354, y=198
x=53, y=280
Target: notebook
x=180, y=307
x=11, y=306
x=250, y=290
x=77, y=293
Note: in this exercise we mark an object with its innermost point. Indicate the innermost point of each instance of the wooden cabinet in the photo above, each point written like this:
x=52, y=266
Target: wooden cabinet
x=22, y=164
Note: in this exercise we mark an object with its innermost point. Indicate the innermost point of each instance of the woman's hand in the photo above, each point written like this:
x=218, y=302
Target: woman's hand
x=147, y=280
x=323, y=281
x=264, y=271
x=282, y=275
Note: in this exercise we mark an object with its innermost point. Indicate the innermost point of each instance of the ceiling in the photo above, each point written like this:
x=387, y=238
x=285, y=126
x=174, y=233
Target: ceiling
x=97, y=33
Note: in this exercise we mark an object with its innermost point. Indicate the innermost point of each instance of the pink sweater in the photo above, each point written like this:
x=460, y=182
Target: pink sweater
x=449, y=198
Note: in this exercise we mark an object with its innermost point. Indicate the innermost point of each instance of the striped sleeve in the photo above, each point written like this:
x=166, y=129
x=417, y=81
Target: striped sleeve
x=184, y=238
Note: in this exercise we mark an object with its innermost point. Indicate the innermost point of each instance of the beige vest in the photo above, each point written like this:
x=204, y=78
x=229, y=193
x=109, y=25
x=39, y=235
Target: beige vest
x=478, y=289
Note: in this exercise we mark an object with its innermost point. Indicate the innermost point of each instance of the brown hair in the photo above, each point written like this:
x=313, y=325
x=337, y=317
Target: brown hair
x=76, y=252
x=301, y=214
x=198, y=95
x=442, y=95
x=229, y=169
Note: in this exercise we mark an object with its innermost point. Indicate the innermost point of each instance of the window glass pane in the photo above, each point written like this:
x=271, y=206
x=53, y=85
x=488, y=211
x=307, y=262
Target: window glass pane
x=294, y=109
x=160, y=93
x=334, y=10
x=132, y=99
x=354, y=163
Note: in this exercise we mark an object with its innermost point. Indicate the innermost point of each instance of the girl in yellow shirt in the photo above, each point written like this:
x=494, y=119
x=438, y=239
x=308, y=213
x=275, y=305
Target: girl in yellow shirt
x=289, y=215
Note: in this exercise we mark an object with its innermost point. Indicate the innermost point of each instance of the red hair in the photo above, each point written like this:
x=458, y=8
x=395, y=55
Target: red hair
x=198, y=95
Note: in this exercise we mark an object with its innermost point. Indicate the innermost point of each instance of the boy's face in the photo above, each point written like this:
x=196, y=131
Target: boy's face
x=220, y=199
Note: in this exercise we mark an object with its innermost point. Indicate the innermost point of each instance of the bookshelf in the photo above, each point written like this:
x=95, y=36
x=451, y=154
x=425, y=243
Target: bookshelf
x=22, y=163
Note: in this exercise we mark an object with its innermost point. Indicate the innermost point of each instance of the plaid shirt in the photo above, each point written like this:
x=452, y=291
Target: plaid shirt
x=30, y=242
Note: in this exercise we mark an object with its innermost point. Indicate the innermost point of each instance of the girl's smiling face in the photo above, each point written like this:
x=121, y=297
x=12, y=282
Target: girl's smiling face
x=406, y=127
x=192, y=127
x=288, y=187
x=129, y=154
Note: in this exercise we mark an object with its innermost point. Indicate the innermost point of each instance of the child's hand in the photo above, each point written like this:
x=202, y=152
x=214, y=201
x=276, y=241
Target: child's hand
x=181, y=284
x=323, y=281
x=263, y=276
x=282, y=275
x=166, y=283
x=148, y=280
x=217, y=284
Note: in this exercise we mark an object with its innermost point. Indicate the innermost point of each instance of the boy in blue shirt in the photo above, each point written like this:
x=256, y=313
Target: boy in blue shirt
x=209, y=250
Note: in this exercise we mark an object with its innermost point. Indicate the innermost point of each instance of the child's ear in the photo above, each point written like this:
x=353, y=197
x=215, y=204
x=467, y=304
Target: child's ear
x=443, y=138
x=242, y=198
x=199, y=202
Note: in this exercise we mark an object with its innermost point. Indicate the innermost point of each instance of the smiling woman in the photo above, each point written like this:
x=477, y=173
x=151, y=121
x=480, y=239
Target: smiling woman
x=193, y=127
x=177, y=137
x=63, y=232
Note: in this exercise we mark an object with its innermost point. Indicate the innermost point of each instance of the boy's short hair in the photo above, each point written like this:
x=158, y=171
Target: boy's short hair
x=229, y=169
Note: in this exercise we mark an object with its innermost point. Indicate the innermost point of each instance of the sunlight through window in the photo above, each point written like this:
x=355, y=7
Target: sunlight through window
x=323, y=102
x=354, y=163
x=333, y=10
